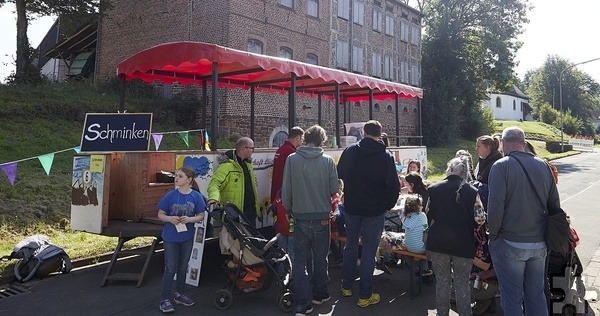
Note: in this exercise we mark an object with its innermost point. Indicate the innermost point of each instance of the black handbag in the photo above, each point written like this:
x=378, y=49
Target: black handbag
x=558, y=232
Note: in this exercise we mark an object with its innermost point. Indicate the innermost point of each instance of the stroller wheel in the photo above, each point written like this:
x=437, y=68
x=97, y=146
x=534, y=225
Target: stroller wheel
x=223, y=299
x=286, y=302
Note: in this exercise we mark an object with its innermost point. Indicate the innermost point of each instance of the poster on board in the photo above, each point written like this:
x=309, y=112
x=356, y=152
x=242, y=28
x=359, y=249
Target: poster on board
x=195, y=263
x=87, y=187
x=116, y=132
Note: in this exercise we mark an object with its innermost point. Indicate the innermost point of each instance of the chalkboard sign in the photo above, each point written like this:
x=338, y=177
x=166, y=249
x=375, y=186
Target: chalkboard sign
x=111, y=132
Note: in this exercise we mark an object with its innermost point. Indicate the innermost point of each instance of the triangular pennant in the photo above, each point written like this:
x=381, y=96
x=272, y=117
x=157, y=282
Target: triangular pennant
x=206, y=141
x=10, y=169
x=77, y=149
x=185, y=136
x=157, y=139
x=46, y=161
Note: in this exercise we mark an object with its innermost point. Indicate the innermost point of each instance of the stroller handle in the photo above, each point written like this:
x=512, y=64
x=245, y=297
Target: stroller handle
x=271, y=242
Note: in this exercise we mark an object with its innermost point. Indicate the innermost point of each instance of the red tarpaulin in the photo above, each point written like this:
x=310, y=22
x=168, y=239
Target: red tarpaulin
x=191, y=63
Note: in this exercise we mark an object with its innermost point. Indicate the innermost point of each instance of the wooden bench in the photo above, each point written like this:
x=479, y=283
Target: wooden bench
x=413, y=260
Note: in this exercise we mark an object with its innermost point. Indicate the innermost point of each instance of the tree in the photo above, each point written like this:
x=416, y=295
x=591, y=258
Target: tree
x=30, y=9
x=469, y=47
x=580, y=92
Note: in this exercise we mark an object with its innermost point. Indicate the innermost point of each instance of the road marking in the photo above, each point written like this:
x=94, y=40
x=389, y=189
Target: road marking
x=570, y=197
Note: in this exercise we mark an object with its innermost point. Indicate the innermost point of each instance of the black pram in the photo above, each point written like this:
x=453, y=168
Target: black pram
x=255, y=262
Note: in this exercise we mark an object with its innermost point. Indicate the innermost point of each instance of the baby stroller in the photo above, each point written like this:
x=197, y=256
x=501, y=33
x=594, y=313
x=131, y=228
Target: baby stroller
x=567, y=290
x=255, y=263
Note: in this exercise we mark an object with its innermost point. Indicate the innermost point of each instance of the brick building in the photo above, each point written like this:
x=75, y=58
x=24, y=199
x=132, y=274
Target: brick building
x=306, y=30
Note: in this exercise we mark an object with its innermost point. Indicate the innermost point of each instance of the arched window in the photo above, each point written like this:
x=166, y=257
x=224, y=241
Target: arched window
x=286, y=52
x=514, y=105
x=312, y=59
x=279, y=139
x=405, y=110
x=376, y=107
x=498, y=102
x=389, y=109
x=414, y=111
x=255, y=46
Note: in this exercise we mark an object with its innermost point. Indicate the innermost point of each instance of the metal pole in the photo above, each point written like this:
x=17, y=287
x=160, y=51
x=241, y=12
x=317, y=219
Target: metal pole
x=252, y=114
x=213, y=123
x=562, y=145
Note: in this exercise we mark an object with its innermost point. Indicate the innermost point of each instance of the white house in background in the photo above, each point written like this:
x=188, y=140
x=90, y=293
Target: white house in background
x=511, y=105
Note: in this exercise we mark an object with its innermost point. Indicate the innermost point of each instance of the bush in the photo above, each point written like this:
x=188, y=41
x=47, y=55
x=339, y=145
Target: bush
x=548, y=114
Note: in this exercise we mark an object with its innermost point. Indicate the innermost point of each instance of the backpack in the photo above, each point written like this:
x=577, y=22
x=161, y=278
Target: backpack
x=38, y=257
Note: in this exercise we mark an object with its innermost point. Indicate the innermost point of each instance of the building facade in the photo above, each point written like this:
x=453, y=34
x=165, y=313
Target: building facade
x=512, y=105
x=385, y=37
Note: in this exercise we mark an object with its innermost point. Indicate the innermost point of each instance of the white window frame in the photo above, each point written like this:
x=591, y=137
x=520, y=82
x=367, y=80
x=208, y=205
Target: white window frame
x=312, y=8
x=376, y=65
x=377, y=19
x=341, y=54
x=388, y=67
x=343, y=9
x=389, y=24
x=359, y=12
x=404, y=31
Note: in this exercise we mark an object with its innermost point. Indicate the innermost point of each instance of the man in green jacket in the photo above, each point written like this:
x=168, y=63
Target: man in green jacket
x=234, y=180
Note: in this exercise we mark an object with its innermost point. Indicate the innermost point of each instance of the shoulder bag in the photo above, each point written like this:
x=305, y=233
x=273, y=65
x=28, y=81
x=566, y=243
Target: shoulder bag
x=558, y=232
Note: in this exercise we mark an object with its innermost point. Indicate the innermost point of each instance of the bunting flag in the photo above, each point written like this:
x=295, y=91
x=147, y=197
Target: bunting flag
x=46, y=161
x=77, y=149
x=185, y=136
x=157, y=139
x=10, y=169
x=206, y=141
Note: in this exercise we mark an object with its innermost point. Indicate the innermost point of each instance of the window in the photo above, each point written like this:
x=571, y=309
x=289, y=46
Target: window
x=343, y=9
x=498, y=102
x=389, y=24
x=416, y=35
x=313, y=8
x=376, y=19
x=279, y=139
x=287, y=3
x=359, y=12
x=405, y=110
x=514, y=105
x=312, y=59
x=403, y=71
x=255, y=46
x=341, y=54
x=404, y=31
x=388, y=68
x=415, y=75
x=357, y=59
x=376, y=107
x=286, y=52
x=376, y=65
x=389, y=109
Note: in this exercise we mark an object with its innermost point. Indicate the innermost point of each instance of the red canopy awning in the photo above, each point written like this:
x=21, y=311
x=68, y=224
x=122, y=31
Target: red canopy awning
x=191, y=63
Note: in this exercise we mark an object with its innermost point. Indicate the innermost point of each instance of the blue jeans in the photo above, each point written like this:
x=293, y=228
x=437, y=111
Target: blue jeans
x=177, y=255
x=310, y=237
x=369, y=230
x=521, y=274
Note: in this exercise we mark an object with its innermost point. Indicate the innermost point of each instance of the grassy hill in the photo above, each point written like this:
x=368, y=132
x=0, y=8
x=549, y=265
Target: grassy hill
x=38, y=120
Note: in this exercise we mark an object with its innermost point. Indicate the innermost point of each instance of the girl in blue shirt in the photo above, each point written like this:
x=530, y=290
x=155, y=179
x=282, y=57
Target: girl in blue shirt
x=179, y=209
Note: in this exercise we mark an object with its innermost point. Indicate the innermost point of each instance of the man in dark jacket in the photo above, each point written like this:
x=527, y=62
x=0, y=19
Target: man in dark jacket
x=371, y=188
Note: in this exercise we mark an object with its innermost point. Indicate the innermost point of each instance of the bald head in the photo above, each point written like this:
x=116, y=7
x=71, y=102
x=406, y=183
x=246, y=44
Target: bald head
x=244, y=147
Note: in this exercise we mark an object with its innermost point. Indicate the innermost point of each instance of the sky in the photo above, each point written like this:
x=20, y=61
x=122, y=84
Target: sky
x=554, y=29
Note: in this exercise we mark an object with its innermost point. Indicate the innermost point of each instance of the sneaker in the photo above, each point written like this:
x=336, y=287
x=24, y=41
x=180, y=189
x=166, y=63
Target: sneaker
x=183, y=300
x=304, y=311
x=346, y=292
x=364, y=302
x=318, y=300
x=166, y=306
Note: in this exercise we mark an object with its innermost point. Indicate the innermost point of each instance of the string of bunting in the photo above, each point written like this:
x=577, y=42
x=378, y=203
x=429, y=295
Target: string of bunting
x=46, y=160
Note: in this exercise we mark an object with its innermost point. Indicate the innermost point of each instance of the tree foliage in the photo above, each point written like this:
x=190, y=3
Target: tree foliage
x=548, y=114
x=580, y=92
x=28, y=10
x=469, y=47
